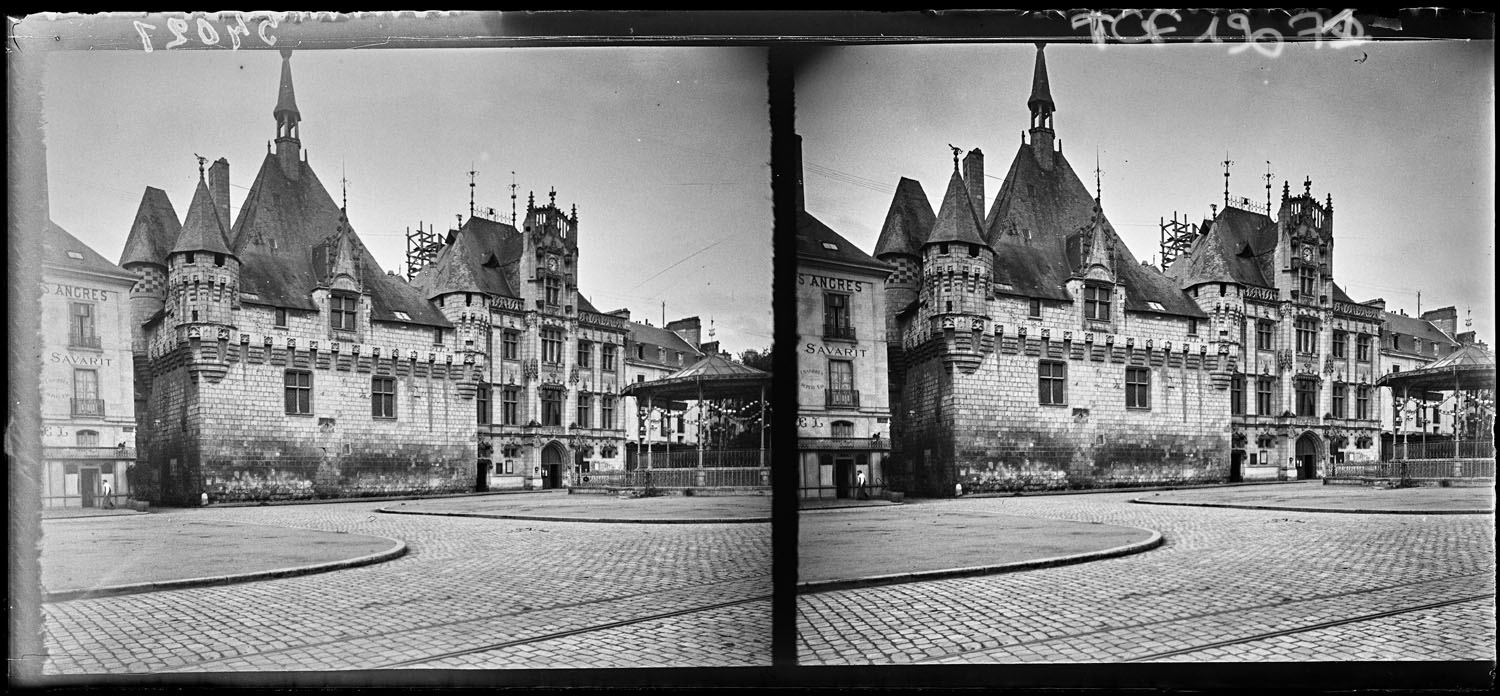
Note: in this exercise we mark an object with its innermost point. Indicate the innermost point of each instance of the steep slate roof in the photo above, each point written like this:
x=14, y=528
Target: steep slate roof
x=481, y=256
x=956, y=219
x=57, y=242
x=280, y=223
x=907, y=222
x=203, y=230
x=1050, y=206
x=657, y=336
x=814, y=240
x=1414, y=327
x=1235, y=247
x=154, y=232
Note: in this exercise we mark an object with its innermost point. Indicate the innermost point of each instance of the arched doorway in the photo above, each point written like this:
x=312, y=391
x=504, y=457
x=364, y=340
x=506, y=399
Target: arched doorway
x=1307, y=456
x=553, y=457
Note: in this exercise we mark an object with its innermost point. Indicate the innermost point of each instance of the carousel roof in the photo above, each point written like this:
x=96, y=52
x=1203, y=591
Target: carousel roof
x=1469, y=367
x=713, y=377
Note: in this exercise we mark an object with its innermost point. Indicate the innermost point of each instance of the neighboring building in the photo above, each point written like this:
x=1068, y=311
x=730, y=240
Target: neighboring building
x=843, y=411
x=88, y=406
x=546, y=407
x=1036, y=351
x=653, y=353
x=277, y=360
x=1410, y=343
x=1303, y=397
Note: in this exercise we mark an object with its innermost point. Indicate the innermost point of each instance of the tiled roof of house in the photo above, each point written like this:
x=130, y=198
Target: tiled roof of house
x=816, y=241
x=60, y=249
x=907, y=222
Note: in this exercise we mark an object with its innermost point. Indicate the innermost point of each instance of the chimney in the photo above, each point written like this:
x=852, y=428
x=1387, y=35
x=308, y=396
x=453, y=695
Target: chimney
x=974, y=177
x=1377, y=303
x=623, y=313
x=710, y=348
x=1467, y=338
x=1445, y=318
x=218, y=190
x=690, y=329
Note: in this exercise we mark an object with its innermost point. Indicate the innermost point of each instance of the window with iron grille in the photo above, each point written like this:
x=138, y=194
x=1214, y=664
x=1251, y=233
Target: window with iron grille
x=81, y=328
x=482, y=401
x=1137, y=387
x=1096, y=303
x=585, y=410
x=836, y=316
x=510, y=406
x=1307, y=335
x=552, y=406
x=510, y=345
x=841, y=391
x=383, y=397
x=341, y=312
x=85, y=384
x=1306, y=392
x=552, y=345
x=298, y=392
x=1052, y=382
x=1264, y=396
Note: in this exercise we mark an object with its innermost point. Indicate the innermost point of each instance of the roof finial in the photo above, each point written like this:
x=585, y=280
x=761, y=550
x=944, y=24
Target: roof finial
x=552, y=194
x=512, y=196
x=1268, y=178
x=1307, y=187
x=344, y=184
x=955, y=156
x=471, y=187
x=1226, y=164
x=201, y=160
x=1098, y=178
x=1286, y=190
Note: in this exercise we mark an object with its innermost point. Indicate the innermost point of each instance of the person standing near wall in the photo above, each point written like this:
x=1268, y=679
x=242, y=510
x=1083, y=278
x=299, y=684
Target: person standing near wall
x=859, y=485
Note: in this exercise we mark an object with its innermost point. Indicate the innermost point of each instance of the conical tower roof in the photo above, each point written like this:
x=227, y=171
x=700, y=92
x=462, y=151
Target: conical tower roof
x=202, y=230
x=907, y=222
x=956, y=219
x=154, y=232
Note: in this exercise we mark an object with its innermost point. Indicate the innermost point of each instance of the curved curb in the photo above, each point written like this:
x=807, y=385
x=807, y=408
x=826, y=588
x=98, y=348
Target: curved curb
x=1288, y=508
x=1152, y=542
x=394, y=552
x=600, y=520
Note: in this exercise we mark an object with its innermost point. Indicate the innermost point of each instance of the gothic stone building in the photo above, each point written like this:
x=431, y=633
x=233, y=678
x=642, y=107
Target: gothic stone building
x=1303, y=394
x=1030, y=349
x=275, y=359
x=552, y=363
x=88, y=410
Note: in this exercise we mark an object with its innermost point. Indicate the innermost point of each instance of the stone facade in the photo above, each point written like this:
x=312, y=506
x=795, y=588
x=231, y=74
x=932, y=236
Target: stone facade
x=87, y=376
x=1030, y=350
x=1304, y=399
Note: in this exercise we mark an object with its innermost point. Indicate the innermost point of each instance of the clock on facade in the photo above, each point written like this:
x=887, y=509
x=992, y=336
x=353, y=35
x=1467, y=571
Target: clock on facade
x=1307, y=253
x=551, y=263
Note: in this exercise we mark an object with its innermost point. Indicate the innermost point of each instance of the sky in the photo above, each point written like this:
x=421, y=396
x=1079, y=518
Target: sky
x=664, y=150
x=1402, y=134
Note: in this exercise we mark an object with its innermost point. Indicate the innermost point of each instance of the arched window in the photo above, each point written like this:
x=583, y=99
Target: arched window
x=88, y=438
x=842, y=429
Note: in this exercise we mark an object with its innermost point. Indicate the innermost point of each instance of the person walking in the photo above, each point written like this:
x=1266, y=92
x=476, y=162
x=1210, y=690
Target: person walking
x=108, y=496
x=859, y=484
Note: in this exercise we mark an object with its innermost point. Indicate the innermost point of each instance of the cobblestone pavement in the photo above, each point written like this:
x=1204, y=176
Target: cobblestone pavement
x=1228, y=584
x=470, y=593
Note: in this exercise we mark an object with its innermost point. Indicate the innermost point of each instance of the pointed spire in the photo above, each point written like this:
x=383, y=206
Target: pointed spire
x=1096, y=256
x=286, y=99
x=1040, y=102
x=202, y=230
x=154, y=232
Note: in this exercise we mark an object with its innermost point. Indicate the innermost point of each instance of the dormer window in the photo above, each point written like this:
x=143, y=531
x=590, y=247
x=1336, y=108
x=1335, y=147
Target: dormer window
x=279, y=317
x=75, y=256
x=403, y=316
x=342, y=312
x=1096, y=303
